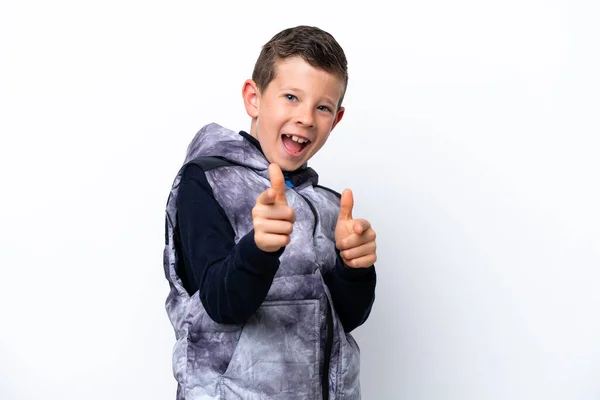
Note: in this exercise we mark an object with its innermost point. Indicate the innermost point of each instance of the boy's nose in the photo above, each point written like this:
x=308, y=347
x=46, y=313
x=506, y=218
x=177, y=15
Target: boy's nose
x=305, y=117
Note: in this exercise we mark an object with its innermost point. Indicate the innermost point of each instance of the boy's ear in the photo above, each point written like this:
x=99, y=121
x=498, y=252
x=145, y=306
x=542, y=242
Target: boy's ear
x=251, y=96
x=338, y=117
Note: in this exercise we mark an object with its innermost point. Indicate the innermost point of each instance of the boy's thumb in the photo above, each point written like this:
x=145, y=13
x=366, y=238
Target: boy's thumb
x=346, y=205
x=277, y=182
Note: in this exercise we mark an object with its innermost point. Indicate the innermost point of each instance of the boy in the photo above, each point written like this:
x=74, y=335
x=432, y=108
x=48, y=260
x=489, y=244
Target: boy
x=268, y=271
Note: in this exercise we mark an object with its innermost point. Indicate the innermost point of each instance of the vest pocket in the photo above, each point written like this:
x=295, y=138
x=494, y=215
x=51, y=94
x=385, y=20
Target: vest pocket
x=277, y=355
x=208, y=354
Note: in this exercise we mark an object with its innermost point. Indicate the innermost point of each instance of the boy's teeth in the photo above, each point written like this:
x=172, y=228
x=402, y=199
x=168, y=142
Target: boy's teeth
x=298, y=139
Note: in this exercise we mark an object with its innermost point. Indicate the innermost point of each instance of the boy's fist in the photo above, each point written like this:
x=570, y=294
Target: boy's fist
x=354, y=237
x=272, y=218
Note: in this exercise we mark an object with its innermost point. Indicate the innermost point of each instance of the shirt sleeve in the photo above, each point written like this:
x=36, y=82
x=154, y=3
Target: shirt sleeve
x=232, y=279
x=353, y=293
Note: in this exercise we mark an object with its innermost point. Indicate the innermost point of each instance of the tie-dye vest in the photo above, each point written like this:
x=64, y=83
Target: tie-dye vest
x=294, y=346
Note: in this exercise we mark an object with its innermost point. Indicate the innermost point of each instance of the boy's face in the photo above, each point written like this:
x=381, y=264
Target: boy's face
x=293, y=116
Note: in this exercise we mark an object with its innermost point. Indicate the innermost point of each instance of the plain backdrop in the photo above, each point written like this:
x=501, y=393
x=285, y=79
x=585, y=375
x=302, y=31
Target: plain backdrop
x=471, y=142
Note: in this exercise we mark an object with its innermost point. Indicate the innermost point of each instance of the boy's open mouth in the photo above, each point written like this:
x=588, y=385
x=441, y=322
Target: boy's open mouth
x=294, y=144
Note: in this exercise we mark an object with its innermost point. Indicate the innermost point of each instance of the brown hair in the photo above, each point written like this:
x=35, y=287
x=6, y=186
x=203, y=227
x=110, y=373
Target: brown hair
x=314, y=45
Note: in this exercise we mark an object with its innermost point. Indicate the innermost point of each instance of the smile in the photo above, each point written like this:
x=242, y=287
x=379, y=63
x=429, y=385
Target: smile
x=293, y=144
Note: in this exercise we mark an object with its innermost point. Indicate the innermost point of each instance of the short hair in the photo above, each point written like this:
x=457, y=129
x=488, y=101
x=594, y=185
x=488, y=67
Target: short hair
x=314, y=45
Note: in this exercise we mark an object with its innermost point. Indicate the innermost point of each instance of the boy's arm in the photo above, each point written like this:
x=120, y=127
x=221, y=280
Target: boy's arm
x=230, y=285
x=353, y=293
x=352, y=283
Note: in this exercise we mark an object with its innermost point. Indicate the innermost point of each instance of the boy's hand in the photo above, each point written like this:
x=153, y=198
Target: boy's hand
x=272, y=218
x=354, y=237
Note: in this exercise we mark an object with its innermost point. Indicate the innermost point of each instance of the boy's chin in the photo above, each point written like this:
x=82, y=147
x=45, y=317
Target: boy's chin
x=288, y=167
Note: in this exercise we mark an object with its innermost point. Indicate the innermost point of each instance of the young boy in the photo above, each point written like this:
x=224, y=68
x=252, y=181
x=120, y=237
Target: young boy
x=268, y=271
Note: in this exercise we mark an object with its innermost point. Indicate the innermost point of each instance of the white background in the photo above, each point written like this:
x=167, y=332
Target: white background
x=470, y=141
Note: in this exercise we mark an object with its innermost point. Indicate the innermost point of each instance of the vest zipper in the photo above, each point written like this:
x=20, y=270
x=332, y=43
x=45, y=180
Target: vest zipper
x=328, y=318
x=314, y=211
x=327, y=355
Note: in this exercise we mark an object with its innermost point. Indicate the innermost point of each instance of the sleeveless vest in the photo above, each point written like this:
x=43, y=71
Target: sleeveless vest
x=294, y=346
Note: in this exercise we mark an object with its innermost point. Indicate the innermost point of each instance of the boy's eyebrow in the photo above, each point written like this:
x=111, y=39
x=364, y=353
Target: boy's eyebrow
x=293, y=89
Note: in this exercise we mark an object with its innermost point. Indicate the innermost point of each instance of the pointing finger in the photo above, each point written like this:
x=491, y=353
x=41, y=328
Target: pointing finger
x=267, y=197
x=360, y=226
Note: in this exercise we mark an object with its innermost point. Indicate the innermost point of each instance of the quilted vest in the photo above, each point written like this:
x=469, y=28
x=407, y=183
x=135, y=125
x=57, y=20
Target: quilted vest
x=294, y=346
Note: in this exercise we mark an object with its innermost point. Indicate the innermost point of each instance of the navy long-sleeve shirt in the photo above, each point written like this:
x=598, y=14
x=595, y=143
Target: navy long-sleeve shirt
x=234, y=279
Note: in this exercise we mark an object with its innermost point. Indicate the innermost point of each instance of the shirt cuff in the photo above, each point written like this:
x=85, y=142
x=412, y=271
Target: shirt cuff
x=254, y=259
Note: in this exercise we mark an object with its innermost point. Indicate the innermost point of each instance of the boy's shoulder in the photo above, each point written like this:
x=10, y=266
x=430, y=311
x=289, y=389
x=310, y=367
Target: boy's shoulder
x=328, y=191
x=207, y=163
x=328, y=198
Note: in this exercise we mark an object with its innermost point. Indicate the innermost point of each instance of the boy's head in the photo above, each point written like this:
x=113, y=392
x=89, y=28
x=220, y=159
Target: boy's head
x=295, y=95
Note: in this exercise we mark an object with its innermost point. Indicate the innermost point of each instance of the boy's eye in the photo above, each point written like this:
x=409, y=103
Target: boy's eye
x=324, y=108
x=291, y=97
